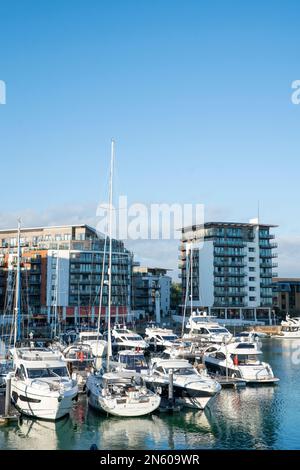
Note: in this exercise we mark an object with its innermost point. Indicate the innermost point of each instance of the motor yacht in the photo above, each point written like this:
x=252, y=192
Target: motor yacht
x=96, y=342
x=123, y=338
x=206, y=329
x=239, y=359
x=183, y=349
x=41, y=386
x=159, y=338
x=192, y=389
x=290, y=328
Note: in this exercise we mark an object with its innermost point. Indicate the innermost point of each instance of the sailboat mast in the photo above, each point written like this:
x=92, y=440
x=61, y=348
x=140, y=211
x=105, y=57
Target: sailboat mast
x=191, y=264
x=17, y=329
x=109, y=347
x=56, y=293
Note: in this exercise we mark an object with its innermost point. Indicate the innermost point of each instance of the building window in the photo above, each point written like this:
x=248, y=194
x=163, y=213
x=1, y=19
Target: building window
x=252, y=279
x=252, y=299
x=251, y=250
x=251, y=260
x=252, y=269
x=252, y=289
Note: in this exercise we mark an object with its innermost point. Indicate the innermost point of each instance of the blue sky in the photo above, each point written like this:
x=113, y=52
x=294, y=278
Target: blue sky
x=196, y=93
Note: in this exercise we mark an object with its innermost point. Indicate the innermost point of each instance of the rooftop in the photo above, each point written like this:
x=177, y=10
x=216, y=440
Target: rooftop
x=226, y=224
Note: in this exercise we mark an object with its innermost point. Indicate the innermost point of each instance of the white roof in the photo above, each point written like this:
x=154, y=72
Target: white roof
x=173, y=363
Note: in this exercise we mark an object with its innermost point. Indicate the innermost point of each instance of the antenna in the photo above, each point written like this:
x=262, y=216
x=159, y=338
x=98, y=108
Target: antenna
x=258, y=211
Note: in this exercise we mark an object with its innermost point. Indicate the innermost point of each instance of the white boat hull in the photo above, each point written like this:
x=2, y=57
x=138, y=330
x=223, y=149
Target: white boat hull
x=50, y=406
x=199, y=403
x=125, y=409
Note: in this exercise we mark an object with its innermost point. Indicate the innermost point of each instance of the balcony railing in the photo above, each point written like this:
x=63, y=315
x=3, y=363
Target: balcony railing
x=228, y=263
x=271, y=255
x=268, y=236
x=227, y=274
x=230, y=284
x=268, y=265
x=226, y=253
x=229, y=304
x=225, y=293
x=268, y=246
x=229, y=242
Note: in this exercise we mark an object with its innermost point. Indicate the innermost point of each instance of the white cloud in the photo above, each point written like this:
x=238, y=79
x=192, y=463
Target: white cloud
x=289, y=255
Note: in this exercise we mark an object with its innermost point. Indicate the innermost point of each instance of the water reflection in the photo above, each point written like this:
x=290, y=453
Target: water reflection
x=158, y=431
x=29, y=434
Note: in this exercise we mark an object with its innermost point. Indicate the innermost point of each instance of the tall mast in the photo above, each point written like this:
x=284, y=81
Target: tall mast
x=191, y=263
x=17, y=329
x=109, y=348
x=56, y=293
x=101, y=294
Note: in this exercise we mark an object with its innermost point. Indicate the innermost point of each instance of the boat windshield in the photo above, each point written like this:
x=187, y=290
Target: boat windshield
x=133, y=338
x=133, y=361
x=182, y=371
x=169, y=337
x=247, y=360
x=218, y=330
x=47, y=372
x=90, y=338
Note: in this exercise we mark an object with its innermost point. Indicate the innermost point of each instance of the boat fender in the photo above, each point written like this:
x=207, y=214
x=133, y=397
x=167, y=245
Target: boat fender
x=15, y=396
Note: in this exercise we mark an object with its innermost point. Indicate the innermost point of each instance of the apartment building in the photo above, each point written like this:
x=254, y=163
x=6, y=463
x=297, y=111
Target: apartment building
x=227, y=269
x=61, y=272
x=151, y=289
x=286, y=296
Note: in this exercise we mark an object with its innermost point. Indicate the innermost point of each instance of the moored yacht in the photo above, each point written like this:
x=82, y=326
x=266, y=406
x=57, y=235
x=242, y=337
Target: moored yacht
x=191, y=388
x=131, y=360
x=123, y=338
x=96, y=342
x=121, y=394
x=183, y=349
x=239, y=359
x=41, y=386
x=290, y=328
x=159, y=338
x=206, y=329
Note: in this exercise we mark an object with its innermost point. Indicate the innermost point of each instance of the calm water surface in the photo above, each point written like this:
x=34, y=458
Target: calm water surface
x=266, y=417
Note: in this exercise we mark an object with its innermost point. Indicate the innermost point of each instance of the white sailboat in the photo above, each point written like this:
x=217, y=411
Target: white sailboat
x=118, y=393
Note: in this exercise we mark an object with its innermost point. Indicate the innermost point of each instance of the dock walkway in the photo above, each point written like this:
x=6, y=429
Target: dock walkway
x=229, y=382
x=13, y=414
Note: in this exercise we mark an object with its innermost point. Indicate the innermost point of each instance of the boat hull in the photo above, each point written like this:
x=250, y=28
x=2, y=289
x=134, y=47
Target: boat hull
x=125, y=409
x=38, y=405
x=220, y=369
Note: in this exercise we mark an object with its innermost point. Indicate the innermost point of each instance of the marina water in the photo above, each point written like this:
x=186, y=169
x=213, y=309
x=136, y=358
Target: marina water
x=263, y=417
